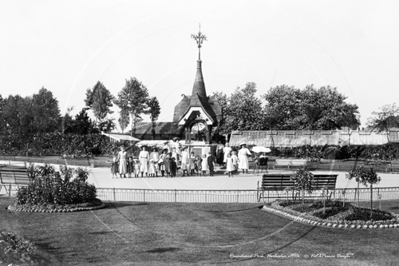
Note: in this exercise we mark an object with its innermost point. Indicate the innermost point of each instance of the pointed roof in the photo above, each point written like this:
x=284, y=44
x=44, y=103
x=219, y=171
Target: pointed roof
x=199, y=85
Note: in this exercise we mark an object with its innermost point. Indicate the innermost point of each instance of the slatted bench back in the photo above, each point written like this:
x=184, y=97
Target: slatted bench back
x=324, y=181
x=281, y=181
x=276, y=181
x=17, y=176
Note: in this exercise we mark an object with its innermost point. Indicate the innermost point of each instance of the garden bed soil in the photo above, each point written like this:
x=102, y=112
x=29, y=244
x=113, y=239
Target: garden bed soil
x=50, y=208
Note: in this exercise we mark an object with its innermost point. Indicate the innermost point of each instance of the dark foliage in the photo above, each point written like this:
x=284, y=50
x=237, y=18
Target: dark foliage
x=69, y=186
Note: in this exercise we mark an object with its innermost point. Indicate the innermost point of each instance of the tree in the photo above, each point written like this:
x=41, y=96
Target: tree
x=82, y=124
x=223, y=101
x=243, y=110
x=366, y=176
x=45, y=111
x=282, y=110
x=154, y=111
x=303, y=181
x=386, y=118
x=67, y=120
x=288, y=108
x=133, y=98
x=123, y=119
x=107, y=125
x=99, y=99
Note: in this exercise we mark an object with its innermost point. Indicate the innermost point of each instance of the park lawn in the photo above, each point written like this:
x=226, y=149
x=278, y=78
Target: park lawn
x=127, y=233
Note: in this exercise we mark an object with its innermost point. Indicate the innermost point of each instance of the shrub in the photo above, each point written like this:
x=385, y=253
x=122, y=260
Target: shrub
x=363, y=214
x=69, y=186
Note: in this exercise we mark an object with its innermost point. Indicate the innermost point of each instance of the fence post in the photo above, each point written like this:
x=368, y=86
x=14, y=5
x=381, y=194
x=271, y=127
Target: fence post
x=238, y=196
x=175, y=195
x=144, y=195
x=354, y=199
x=113, y=190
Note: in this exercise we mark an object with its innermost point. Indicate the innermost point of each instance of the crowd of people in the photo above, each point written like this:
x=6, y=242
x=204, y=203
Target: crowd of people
x=171, y=158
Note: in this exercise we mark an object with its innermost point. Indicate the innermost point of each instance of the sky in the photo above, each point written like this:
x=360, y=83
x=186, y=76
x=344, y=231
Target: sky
x=67, y=46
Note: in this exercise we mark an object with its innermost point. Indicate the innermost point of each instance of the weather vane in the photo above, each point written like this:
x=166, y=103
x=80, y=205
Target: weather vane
x=199, y=38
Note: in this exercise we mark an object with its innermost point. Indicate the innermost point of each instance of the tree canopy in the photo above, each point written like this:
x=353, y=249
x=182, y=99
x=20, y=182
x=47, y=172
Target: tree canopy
x=286, y=108
x=386, y=118
x=323, y=108
x=99, y=99
x=133, y=98
x=242, y=110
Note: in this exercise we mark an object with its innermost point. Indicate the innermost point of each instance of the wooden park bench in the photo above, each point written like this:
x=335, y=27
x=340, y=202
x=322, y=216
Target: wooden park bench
x=393, y=167
x=13, y=176
x=290, y=163
x=274, y=184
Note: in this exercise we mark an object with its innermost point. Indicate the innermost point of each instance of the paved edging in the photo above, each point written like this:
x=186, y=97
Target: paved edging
x=332, y=224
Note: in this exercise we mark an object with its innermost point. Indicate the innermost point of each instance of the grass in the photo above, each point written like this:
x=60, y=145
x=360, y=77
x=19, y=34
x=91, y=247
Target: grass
x=181, y=234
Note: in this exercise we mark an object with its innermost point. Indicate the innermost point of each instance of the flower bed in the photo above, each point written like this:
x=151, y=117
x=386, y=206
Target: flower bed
x=94, y=205
x=337, y=214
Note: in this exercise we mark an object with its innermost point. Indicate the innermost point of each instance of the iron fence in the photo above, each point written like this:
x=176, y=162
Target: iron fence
x=238, y=196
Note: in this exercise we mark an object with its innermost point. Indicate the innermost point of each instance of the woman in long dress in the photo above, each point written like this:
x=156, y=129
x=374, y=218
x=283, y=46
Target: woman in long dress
x=122, y=162
x=144, y=158
x=226, y=151
x=243, y=154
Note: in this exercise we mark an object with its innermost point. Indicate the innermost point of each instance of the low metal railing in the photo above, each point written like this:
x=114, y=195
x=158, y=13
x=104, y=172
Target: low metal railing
x=236, y=196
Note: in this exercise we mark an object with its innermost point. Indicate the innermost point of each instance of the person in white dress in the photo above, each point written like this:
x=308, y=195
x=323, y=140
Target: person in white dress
x=154, y=156
x=226, y=150
x=144, y=158
x=204, y=165
x=122, y=162
x=184, y=160
x=243, y=154
x=229, y=165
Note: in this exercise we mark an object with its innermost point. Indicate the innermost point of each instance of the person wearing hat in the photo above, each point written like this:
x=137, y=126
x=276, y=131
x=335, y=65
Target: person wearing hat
x=243, y=154
x=167, y=147
x=144, y=158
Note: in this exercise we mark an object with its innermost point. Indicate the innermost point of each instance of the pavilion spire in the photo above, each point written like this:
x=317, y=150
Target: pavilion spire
x=199, y=38
x=199, y=85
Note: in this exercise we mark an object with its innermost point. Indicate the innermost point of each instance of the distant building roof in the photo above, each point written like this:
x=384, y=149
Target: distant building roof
x=198, y=98
x=159, y=131
x=119, y=137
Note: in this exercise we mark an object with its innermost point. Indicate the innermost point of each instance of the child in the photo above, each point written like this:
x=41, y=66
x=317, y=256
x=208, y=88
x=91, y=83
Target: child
x=151, y=169
x=114, y=167
x=197, y=165
x=168, y=159
x=204, y=165
x=130, y=166
x=191, y=166
x=229, y=165
x=235, y=160
x=136, y=168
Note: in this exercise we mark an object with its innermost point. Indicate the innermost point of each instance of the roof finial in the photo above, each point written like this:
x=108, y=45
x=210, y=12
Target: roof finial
x=199, y=39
